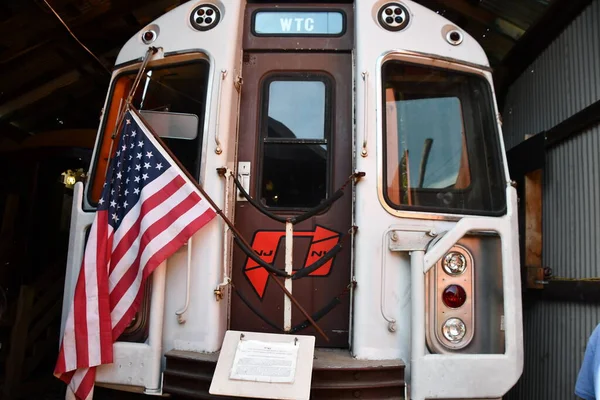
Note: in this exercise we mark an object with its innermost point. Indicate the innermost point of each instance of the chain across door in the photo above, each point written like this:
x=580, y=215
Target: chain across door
x=295, y=152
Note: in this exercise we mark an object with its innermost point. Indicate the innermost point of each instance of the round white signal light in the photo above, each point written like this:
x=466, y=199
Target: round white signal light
x=454, y=263
x=454, y=330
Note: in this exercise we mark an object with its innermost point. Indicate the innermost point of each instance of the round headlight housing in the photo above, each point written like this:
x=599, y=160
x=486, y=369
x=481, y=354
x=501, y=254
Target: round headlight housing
x=454, y=263
x=454, y=330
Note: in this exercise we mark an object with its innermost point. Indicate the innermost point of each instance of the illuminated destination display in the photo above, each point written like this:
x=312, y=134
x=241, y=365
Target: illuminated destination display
x=298, y=23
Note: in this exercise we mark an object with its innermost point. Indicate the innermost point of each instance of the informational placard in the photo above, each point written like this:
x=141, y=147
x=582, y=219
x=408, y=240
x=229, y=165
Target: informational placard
x=264, y=365
x=260, y=361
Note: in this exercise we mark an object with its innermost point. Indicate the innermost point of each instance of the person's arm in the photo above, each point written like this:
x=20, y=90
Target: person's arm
x=596, y=363
x=587, y=386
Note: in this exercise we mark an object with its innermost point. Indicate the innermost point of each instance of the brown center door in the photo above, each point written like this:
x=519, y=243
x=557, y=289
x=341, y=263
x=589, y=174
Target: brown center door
x=295, y=151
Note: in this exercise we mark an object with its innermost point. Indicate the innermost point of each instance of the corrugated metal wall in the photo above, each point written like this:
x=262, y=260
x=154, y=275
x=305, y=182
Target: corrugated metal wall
x=571, y=223
x=555, y=338
x=562, y=81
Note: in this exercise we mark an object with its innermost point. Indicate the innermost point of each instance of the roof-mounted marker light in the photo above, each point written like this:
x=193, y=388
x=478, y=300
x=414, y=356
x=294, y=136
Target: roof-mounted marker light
x=205, y=17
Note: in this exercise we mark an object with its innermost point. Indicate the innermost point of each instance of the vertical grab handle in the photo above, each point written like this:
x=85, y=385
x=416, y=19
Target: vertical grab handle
x=153, y=381
x=180, y=313
x=289, y=269
x=218, y=149
x=365, y=76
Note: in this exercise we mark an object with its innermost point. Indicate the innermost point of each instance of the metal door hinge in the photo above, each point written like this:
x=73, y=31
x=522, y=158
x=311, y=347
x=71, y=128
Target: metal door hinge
x=238, y=82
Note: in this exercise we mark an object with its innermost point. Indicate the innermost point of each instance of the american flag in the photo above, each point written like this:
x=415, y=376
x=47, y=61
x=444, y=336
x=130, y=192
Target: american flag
x=147, y=210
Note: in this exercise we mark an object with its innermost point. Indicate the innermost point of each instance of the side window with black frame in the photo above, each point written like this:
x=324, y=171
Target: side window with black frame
x=295, y=135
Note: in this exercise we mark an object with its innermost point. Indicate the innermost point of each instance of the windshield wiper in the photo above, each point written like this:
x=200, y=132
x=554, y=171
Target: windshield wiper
x=424, y=158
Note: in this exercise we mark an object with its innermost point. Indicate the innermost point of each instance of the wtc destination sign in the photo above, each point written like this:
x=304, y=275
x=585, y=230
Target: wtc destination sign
x=298, y=23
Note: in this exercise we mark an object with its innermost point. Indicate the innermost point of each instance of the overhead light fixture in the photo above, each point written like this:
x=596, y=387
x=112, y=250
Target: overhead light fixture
x=70, y=177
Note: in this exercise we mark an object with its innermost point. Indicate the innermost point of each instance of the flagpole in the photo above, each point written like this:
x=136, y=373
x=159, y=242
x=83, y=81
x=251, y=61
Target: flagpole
x=225, y=218
x=123, y=107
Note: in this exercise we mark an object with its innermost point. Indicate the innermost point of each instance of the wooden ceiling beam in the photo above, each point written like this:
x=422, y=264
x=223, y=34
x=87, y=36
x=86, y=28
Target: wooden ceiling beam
x=31, y=84
x=12, y=132
x=559, y=16
x=60, y=109
x=41, y=92
x=43, y=88
x=496, y=44
x=88, y=21
x=490, y=20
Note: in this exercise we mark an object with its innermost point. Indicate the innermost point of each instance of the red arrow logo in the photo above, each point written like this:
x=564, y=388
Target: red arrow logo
x=266, y=245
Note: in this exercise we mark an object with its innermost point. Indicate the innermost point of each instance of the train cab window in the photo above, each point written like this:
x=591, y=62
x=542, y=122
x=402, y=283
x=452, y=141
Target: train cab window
x=172, y=100
x=295, y=132
x=442, y=150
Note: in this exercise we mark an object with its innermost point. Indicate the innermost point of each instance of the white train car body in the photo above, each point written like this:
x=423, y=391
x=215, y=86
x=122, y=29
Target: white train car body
x=291, y=100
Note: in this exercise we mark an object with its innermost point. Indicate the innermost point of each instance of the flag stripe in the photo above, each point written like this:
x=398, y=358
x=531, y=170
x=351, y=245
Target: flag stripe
x=149, y=200
x=83, y=382
x=61, y=367
x=160, y=227
x=80, y=321
x=176, y=243
x=105, y=325
x=150, y=215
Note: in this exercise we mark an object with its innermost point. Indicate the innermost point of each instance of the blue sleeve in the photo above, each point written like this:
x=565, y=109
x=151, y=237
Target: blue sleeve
x=588, y=381
x=596, y=368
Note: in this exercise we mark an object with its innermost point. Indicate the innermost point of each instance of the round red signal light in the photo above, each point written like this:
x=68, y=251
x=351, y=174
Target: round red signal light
x=454, y=296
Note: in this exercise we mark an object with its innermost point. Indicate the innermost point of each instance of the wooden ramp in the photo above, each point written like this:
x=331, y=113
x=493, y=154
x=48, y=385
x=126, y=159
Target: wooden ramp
x=336, y=375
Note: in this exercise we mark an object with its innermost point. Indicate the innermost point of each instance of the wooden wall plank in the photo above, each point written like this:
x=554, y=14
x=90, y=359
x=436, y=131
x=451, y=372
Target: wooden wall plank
x=533, y=229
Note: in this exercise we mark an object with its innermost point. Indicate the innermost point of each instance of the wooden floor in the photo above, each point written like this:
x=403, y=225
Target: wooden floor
x=341, y=359
x=323, y=358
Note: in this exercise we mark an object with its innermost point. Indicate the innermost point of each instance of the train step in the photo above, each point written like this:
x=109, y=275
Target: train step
x=336, y=375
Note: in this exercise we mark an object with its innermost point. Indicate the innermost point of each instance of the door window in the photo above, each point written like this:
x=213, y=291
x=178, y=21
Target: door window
x=295, y=133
